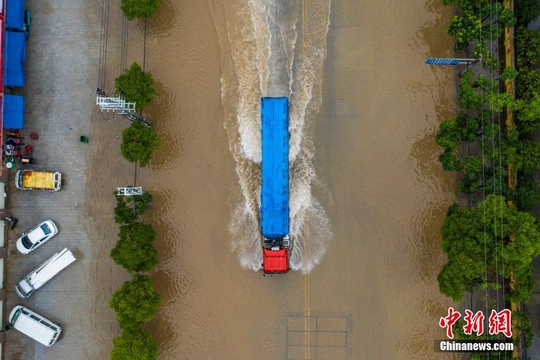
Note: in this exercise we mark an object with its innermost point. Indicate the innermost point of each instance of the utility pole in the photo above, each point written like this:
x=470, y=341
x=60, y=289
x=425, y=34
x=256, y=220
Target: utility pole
x=118, y=105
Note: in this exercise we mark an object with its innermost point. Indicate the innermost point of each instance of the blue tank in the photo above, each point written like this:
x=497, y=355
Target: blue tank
x=275, y=168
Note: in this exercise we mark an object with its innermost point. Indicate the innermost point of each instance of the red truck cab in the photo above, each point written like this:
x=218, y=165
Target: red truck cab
x=276, y=256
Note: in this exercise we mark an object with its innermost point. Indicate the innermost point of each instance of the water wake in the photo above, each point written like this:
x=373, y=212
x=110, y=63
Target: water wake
x=277, y=48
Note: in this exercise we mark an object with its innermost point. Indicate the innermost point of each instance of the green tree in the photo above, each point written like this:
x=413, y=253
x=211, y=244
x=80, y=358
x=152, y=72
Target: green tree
x=527, y=194
x=449, y=161
x=142, y=202
x=526, y=11
x=528, y=114
x=506, y=17
x=509, y=73
x=134, y=250
x=527, y=84
x=474, y=93
x=472, y=168
x=134, y=345
x=139, y=143
x=465, y=27
x=524, y=326
x=135, y=303
x=137, y=85
x=123, y=213
x=492, y=235
x=527, y=47
x=129, y=207
x=139, y=8
x=449, y=134
x=528, y=156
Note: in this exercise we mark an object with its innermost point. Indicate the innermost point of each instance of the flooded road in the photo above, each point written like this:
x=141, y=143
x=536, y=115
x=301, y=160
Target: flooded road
x=368, y=195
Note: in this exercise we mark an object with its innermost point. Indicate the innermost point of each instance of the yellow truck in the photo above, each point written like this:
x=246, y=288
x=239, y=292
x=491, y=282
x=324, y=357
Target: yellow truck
x=38, y=180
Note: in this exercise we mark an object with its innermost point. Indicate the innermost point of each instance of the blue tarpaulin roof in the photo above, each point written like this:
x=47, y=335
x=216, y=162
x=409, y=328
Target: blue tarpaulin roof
x=15, y=14
x=275, y=167
x=14, y=58
x=13, y=112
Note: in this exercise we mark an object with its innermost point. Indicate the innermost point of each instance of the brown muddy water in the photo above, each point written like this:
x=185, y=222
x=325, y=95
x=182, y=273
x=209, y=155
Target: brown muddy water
x=367, y=193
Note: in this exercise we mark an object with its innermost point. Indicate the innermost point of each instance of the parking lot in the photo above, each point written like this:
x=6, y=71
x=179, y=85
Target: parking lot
x=61, y=69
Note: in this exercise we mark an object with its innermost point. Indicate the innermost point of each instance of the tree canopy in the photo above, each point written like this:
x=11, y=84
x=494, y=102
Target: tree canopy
x=491, y=234
x=128, y=207
x=137, y=85
x=139, y=143
x=135, y=303
x=134, y=345
x=527, y=47
x=139, y=8
x=134, y=250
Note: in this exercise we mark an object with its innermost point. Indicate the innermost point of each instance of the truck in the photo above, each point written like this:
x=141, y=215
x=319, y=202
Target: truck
x=43, y=273
x=38, y=180
x=274, y=209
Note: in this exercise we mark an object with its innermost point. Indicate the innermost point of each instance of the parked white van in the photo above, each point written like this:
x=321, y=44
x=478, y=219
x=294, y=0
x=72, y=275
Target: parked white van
x=34, y=325
x=43, y=273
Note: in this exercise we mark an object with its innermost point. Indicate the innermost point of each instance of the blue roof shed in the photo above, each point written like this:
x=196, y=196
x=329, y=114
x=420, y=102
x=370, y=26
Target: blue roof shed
x=13, y=112
x=15, y=14
x=14, y=58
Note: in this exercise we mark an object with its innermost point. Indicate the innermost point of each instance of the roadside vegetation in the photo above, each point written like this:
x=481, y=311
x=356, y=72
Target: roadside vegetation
x=139, y=8
x=139, y=141
x=490, y=234
x=137, y=301
x=137, y=85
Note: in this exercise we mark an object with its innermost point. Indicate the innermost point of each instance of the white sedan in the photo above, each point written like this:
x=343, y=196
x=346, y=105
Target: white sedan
x=31, y=240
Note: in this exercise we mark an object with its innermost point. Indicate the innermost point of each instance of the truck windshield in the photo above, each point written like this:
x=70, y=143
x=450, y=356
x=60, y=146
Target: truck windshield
x=46, y=229
x=13, y=320
x=26, y=242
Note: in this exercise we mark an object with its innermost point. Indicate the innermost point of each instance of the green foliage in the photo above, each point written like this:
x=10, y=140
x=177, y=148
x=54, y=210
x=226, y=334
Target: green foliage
x=142, y=202
x=528, y=114
x=123, y=214
x=528, y=156
x=469, y=98
x=498, y=101
x=527, y=194
x=474, y=93
x=524, y=326
x=448, y=135
x=139, y=8
x=134, y=345
x=527, y=47
x=449, y=161
x=137, y=85
x=465, y=27
x=527, y=11
x=139, y=143
x=472, y=170
x=481, y=51
x=507, y=18
x=129, y=207
x=135, y=303
x=138, y=230
x=509, y=73
x=134, y=250
x=474, y=237
x=527, y=84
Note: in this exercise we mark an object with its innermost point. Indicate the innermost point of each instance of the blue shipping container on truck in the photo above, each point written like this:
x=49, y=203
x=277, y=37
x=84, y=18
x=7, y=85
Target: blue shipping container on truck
x=275, y=168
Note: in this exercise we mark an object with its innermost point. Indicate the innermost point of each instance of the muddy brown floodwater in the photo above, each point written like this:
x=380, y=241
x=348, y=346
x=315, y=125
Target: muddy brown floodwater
x=368, y=195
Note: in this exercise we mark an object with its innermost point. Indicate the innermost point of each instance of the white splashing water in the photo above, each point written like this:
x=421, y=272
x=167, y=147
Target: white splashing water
x=277, y=48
